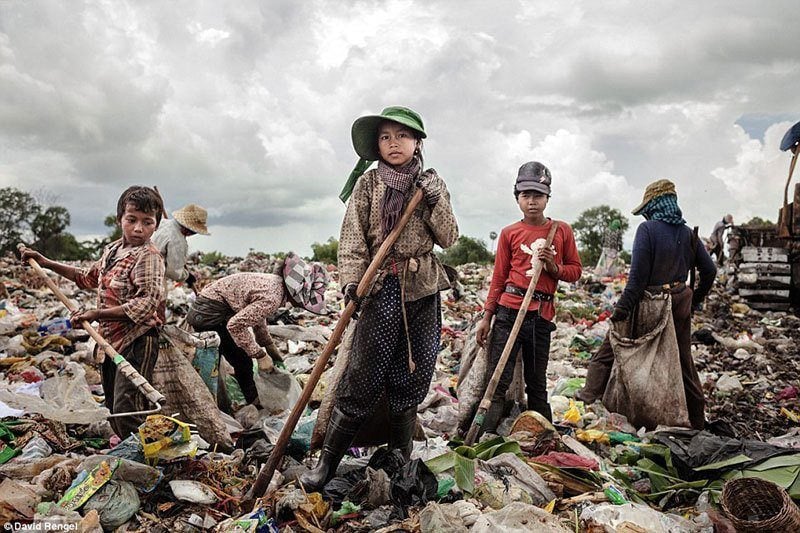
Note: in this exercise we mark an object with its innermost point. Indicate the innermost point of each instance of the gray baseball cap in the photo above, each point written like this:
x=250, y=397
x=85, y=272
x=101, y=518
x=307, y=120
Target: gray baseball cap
x=533, y=176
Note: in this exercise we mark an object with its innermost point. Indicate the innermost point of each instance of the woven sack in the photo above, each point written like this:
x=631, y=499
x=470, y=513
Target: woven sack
x=754, y=504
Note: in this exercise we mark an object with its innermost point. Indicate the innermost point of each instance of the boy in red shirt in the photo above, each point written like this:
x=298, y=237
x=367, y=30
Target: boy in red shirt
x=509, y=283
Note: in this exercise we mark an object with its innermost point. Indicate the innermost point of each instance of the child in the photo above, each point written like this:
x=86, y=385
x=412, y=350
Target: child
x=234, y=304
x=129, y=278
x=510, y=282
x=398, y=333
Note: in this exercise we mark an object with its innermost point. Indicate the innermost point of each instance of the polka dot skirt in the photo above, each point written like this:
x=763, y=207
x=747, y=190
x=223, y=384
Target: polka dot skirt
x=379, y=361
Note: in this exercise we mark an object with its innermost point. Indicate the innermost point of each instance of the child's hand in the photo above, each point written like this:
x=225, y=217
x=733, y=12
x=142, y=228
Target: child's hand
x=483, y=330
x=27, y=253
x=81, y=315
x=548, y=257
x=432, y=185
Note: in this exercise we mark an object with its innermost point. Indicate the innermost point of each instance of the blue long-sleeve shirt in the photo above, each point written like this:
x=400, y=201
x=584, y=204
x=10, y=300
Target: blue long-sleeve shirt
x=662, y=253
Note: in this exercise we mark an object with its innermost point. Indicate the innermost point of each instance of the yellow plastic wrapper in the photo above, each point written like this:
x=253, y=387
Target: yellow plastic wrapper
x=573, y=414
x=592, y=435
x=159, y=432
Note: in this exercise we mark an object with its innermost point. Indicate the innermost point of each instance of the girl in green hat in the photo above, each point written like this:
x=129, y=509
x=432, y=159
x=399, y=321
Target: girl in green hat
x=397, y=336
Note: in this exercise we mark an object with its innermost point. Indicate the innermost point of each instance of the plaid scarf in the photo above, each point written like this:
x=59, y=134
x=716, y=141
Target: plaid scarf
x=664, y=208
x=398, y=182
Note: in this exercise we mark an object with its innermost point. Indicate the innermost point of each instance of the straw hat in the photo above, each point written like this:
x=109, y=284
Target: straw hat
x=192, y=217
x=654, y=190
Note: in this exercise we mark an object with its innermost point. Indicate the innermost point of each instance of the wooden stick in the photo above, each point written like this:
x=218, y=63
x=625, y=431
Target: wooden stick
x=265, y=476
x=123, y=366
x=477, y=422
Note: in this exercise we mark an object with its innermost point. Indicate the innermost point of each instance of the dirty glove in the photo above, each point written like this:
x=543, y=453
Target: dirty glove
x=432, y=186
x=620, y=315
x=273, y=351
x=350, y=295
x=265, y=362
x=191, y=280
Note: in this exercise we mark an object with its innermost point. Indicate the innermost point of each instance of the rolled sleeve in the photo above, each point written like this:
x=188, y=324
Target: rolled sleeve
x=147, y=276
x=88, y=278
x=253, y=316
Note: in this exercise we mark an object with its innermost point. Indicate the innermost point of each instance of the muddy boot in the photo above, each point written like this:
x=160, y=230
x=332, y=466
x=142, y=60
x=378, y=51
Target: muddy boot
x=492, y=417
x=402, y=430
x=543, y=408
x=341, y=430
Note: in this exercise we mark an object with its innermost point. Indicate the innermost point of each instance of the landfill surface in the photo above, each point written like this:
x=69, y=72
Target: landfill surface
x=61, y=466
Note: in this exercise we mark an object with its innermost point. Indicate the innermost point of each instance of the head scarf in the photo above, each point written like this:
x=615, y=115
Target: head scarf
x=305, y=283
x=398, y=182
x=664, y=208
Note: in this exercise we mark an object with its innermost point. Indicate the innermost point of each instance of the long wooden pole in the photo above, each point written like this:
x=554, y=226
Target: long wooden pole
x=477, y=421
x=124, y=366
x=265, y=476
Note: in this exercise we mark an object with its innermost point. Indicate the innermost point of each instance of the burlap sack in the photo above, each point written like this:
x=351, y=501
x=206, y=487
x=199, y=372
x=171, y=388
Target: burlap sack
x=646, y=383
x=187, y=394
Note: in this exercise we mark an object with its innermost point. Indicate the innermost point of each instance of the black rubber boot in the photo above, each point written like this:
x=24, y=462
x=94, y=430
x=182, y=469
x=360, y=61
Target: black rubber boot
x=341, y=430
x=543, y=408
x=492, y=417
x=402, y=430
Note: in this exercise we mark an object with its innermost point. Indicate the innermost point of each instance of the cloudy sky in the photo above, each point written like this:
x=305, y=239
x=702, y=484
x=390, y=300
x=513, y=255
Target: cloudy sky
x=245, y=107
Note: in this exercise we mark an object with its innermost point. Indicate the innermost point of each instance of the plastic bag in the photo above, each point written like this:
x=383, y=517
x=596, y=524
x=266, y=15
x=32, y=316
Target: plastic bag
x=64, y=398
x=277, y=390
x=116, y=502
x=414, y=485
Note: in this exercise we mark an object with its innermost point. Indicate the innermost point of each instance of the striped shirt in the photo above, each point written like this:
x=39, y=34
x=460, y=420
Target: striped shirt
x=133, y=279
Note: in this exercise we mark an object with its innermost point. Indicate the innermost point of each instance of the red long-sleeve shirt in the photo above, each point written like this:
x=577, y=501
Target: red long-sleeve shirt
x=511, y=263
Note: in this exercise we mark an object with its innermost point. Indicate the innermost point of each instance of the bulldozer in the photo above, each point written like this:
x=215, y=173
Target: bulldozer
x=767, y=257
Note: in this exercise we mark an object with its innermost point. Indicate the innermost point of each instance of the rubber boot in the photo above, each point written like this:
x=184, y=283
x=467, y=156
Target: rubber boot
x=341, y=430
x=543, y=408
x=402, y=427
x=492, y=417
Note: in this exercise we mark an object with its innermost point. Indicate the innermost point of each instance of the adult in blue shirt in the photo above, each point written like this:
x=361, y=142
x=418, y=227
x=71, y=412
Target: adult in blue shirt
x=663, y=254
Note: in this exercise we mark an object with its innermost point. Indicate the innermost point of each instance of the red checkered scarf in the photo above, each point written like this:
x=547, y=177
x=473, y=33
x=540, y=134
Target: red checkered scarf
x=398, y=182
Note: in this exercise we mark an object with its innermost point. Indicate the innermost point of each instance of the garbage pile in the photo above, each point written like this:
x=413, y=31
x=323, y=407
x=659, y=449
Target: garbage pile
x=590, y=470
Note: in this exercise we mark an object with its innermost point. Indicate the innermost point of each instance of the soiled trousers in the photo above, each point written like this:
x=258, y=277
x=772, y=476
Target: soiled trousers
x=378, y=362
x=601, y=363
x=534, y=339
x=207, y=314
x=121, y=395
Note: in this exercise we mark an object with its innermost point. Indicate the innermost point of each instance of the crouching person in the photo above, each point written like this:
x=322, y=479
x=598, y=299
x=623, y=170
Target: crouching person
x=232, y=305
x=129, y=278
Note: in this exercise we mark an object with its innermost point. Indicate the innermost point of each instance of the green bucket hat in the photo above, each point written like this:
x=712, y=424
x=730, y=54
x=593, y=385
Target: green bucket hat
x=365, y=139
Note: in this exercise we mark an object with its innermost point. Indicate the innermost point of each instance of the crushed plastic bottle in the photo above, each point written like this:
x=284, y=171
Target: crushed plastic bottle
x=55, y=326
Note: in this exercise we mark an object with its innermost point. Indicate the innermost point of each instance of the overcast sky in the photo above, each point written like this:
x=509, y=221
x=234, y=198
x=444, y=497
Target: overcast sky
x=245, y=107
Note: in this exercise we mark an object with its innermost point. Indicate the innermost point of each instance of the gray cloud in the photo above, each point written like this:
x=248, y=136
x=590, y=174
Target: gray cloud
x=246, y=107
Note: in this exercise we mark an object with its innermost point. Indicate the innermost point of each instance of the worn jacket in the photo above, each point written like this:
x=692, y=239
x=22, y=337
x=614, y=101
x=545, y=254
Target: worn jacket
x=361, y=237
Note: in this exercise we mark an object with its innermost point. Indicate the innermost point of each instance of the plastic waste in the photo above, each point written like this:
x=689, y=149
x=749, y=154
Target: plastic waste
x=277, y=390
x=55, y=326
x=144, y=478
x=518, y=517
x=441, y=518
x=413, y=485
x=637, y=517
x=116, y=502
x=36, y=448
x=192, y=491
x=64, y=397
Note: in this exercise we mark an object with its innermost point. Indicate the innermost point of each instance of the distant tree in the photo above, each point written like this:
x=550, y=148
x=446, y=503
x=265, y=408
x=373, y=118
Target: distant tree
x=327, y=252
x=589, y=229
x=211, y=258
x=466, y=250
x=116, y=230
x=758, y=222
x=17, y=211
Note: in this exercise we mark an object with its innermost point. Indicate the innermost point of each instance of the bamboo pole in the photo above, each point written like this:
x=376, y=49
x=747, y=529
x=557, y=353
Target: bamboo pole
x=477, y=421
x=265, y=476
